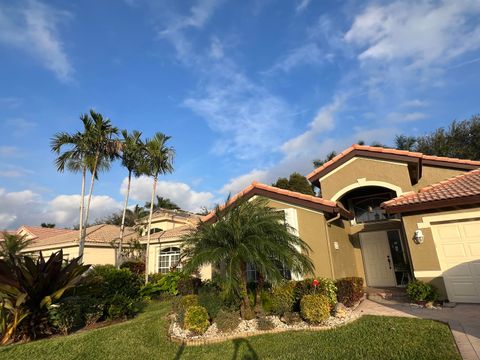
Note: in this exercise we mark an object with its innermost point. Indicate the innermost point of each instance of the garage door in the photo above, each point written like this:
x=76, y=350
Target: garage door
x=458, y=249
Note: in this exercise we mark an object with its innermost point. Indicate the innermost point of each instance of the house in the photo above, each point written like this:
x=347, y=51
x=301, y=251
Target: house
x=99, y=242
x=389, y=216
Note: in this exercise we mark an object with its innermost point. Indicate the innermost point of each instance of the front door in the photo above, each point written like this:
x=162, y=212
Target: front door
x=377, y=259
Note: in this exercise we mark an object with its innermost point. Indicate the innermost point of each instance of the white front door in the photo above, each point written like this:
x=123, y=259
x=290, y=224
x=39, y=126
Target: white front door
x=377, y=259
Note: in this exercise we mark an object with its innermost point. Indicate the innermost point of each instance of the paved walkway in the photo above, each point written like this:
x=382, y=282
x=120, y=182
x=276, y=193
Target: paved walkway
x=464, y=321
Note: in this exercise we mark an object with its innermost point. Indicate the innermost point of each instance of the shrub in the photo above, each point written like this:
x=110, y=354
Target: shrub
x=154, y=278
x=267, y=302
x=419, y=291
x=164, y=284
x=187, y=301
x=325, y=287
x=211, y=301
x=122, y=307
x=264, y=323
x=349, y=290
x=66, y=315
x=291, y=318
x=117, y=282
x=283, y=297
x=136, y=267
x=315, y=308
x=188, y=285
x=196, y=319
x=227, y=320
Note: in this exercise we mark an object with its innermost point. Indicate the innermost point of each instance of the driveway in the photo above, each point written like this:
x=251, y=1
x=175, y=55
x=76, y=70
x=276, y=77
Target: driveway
x=464, y=321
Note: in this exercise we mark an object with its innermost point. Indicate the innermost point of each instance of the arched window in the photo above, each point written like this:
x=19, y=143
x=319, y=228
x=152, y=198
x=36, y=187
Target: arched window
x=168, y=258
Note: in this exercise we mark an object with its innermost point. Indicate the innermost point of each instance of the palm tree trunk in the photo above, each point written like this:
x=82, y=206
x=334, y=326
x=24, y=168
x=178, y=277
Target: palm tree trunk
x=154, y=190
x=245, y=307
x=82, y=204
x=81, y=246
x=122, y=227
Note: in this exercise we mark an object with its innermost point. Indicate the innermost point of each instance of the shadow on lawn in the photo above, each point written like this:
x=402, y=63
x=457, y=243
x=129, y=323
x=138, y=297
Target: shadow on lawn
x=249, y=355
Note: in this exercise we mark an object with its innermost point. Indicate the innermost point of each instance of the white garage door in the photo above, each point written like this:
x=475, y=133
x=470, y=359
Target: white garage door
x=458, y=249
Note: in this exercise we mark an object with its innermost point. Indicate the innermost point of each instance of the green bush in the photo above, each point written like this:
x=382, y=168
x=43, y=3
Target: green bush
x=315, y=308
x=291, y=318
x=419, y=291
x=122, y=307
x=136, y=267
x=188, y=285
x=117, y=282
x=325, y=287
x=66, y=315
x=154, y=278
x=164, y=284
x=196, y=319
x=264, y=323
x=349, y=290
x=212, y=301
x=283, y=297
x=227, y=320
x=266, y=298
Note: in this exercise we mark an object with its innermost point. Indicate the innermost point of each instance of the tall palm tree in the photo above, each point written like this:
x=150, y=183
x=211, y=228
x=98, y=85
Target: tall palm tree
x=103, y=149
x=158, y=160
x=132, y=150
x=12, y=246
x=247, y=233
x=76, y=159
x=163, y=203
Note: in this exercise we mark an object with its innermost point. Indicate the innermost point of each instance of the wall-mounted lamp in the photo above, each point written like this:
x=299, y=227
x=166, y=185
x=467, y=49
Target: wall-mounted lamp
x=418, y=237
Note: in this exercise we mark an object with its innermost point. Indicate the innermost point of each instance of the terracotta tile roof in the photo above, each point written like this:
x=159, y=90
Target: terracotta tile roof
x=100, y=234
x=170, y=234
x=39, y=232
x=462, y=189
x=264, y=190
x=385, y=151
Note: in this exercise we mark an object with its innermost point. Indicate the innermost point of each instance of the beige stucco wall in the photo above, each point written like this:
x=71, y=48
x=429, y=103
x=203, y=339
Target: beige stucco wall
x=312, y=230
x=368, y=169
x=347, y=258
x=93, y=255
x=432, y=175
x=424, y=257
x=358, y=170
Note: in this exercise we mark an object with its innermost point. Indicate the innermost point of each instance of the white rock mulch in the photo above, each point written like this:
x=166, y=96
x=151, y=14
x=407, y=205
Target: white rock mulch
x=250, y=328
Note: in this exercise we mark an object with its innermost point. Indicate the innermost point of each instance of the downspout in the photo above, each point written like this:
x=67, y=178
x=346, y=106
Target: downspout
x=327, y=225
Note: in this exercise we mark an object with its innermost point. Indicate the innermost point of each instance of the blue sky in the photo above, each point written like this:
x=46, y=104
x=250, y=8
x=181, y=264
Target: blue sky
x=248, y=90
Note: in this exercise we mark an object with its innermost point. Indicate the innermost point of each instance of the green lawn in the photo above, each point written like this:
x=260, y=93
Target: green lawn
x=144, y=338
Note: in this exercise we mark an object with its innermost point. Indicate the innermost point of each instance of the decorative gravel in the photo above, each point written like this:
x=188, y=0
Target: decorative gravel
x=250, y=328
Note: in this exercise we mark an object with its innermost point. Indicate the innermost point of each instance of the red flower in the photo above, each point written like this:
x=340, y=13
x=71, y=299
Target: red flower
x=315, y=282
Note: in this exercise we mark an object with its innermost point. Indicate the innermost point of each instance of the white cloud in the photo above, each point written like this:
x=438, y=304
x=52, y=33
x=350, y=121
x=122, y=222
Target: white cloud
x=180, y=193
x=18, y=126
x=178, y=24
x=64, y=209
x=12, y=171
x=420, y=33
x=396, y=117
x=29, y=208
x=415, y=103
x=308, y=54
x=8, y=151
x=302, y=5
x=238, y=183
x=251, y=120
x=33, y=28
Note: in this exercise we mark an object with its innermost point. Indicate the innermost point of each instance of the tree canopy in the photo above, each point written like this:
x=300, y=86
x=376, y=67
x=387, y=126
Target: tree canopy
x=296, y=182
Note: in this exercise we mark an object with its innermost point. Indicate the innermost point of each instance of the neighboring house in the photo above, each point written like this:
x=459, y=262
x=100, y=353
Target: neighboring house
x=168, y=228
x=380, y=218
x=99, y=242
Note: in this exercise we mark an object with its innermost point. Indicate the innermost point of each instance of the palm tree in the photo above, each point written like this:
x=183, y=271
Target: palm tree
x=76, y=159
x=103, y=149
x=12, y=246
x=163, y=203
x=132, y=149
x=246, y=233
x=158, y=160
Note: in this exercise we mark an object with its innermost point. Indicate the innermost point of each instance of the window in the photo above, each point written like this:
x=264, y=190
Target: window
x=368, y=209
x=155, y=230
x=168, y=258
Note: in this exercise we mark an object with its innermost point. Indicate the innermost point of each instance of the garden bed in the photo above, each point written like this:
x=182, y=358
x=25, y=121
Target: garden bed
x=248, y=328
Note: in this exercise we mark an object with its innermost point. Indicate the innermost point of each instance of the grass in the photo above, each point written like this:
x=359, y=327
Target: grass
x=370, y=337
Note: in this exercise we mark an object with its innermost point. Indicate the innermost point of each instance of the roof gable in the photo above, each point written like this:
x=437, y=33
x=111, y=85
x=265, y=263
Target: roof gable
x=291, y=197
x=414, y=160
